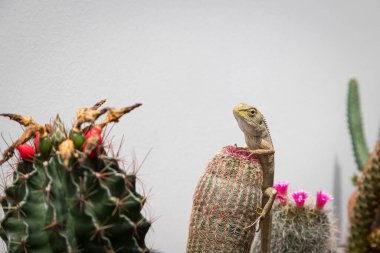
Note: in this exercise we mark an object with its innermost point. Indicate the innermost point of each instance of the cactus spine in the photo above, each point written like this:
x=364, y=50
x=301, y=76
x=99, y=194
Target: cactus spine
x=355, y=125
x=225, y=204
x=65, y=201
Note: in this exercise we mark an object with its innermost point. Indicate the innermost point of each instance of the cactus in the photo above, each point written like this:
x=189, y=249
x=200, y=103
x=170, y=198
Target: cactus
x=337, y=193
x=62, y=199
x=299, y=227
x=355, y=125
x=364, y=203
x=225, y=204
x=365, y=209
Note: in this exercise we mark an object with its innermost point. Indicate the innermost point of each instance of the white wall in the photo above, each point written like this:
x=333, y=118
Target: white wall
x=190, y=62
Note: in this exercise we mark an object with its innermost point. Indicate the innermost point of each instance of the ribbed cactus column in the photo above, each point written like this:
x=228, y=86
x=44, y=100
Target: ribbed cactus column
x=355, y=125
x=226, y=202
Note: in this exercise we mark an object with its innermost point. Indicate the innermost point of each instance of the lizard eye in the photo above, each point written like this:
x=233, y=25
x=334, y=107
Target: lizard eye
x=252, y=113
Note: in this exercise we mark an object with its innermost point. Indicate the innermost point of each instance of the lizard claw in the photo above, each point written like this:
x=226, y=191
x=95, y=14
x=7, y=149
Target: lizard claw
x=254, y=223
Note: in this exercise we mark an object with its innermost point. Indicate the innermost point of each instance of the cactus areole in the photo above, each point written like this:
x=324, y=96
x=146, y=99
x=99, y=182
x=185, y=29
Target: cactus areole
x=63, y=200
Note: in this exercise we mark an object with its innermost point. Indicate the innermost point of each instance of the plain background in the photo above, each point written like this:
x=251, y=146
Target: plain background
x=190, y=62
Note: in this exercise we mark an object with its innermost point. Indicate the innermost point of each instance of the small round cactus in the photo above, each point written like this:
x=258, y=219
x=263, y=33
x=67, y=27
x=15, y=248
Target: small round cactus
x=300, y=224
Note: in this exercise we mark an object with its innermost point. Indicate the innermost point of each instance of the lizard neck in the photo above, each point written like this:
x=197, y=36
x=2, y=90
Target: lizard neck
x=254, y=141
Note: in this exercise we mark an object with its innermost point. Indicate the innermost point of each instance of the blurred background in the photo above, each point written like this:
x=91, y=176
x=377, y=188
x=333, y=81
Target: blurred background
x=189, y=63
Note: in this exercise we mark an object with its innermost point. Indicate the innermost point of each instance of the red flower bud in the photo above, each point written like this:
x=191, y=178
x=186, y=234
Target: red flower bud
x=95, y=130
x=26, y=151
x=37, y=142
x=95, y=152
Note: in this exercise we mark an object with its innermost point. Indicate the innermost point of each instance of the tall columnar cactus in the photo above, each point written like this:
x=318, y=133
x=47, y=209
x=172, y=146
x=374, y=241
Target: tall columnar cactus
x=355, y=125
x=226, y=203
x=68, y=194
x=364, y=236
x=299, y=226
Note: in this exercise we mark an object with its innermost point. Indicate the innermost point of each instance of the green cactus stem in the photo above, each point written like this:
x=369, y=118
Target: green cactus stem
x=355, y=125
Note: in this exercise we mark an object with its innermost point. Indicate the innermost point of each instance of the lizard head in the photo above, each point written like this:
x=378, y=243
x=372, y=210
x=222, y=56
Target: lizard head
x=249, y=119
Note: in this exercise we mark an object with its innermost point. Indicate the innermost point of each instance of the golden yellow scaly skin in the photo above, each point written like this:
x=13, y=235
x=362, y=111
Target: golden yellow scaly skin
x=251, y=121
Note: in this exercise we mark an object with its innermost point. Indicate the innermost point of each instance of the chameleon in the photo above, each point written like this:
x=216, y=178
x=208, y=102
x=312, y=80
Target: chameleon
x=259, y=143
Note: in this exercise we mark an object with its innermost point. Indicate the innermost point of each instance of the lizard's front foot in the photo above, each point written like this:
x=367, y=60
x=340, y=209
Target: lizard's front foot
x=259, y=152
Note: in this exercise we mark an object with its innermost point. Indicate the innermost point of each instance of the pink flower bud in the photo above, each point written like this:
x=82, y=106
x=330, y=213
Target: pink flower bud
x=26, y=151
x=282, y=191
x=322, y=198
x=300, y=197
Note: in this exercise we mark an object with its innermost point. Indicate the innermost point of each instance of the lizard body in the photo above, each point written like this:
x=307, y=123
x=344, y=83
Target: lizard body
x=259, y=143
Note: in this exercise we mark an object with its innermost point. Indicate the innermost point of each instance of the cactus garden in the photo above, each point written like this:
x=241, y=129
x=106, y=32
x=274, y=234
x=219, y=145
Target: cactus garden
x=68, y=193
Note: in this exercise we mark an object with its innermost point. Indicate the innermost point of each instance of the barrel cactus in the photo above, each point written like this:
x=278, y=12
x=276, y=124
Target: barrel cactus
x=68, y=194
x=299, y=225
x=226, y=203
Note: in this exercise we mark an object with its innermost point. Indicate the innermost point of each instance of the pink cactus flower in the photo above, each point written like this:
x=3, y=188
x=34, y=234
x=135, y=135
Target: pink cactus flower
x=300, y=197
x=282, y=191
x=322, y=199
